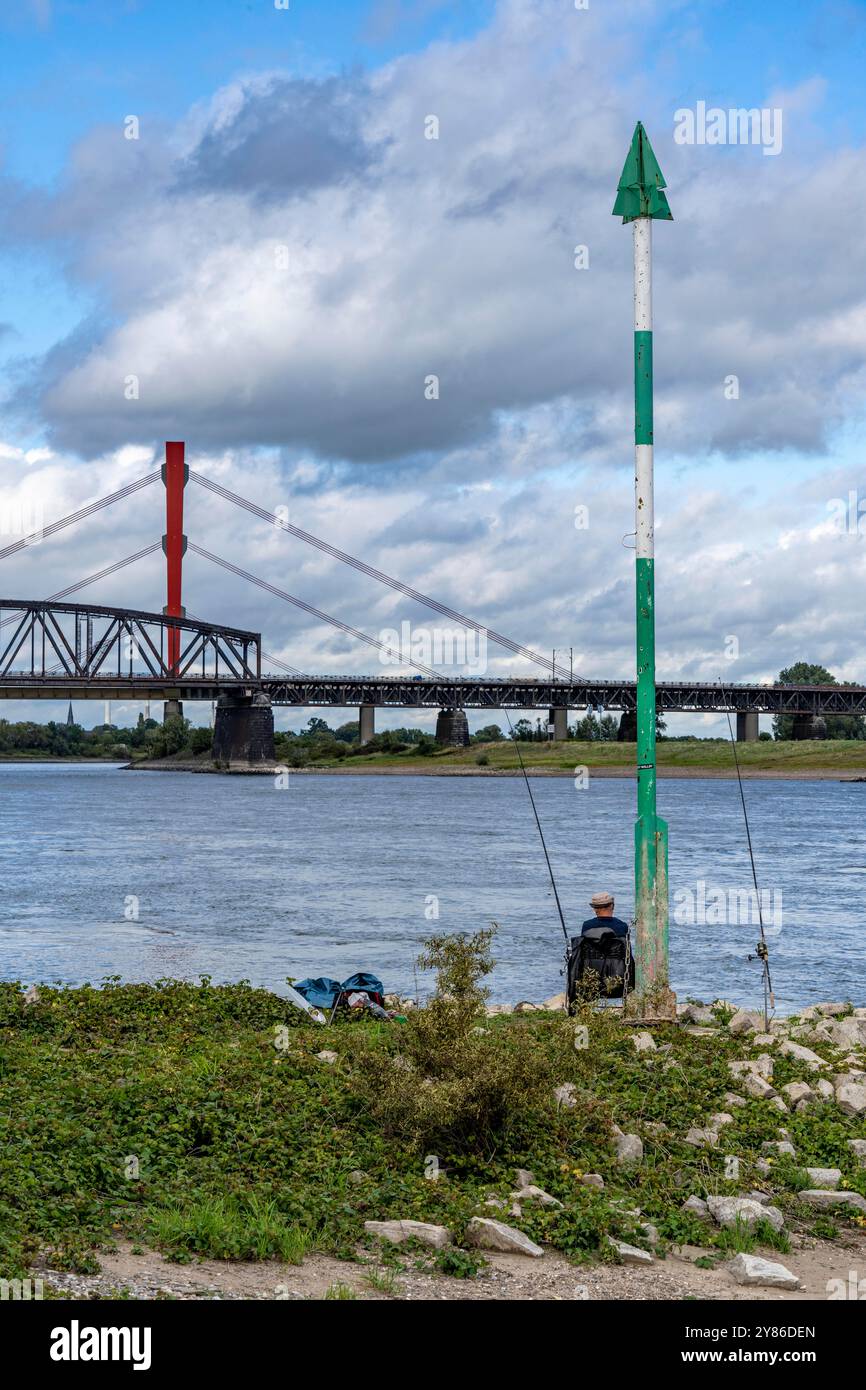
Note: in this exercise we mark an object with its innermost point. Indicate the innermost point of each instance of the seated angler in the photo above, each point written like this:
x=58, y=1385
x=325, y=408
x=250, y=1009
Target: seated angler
x=603, y=904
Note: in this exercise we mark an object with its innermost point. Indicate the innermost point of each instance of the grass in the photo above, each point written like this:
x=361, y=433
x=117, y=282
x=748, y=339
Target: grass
x=713, y=755
x=244, y=1150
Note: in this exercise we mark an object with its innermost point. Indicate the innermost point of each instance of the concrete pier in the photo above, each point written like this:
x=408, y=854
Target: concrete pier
x=366, y=723
x=452, y=728
x=172, y=709
x=243, y=736
x=627, y=732
x=559, y=719
x=809, y=726
x=747, y=728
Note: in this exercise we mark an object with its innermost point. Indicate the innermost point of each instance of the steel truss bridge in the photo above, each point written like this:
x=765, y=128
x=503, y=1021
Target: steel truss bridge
x=60, y=651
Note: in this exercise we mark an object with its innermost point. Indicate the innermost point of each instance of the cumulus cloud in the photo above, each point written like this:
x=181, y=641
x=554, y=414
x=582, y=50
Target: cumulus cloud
x=295, y=261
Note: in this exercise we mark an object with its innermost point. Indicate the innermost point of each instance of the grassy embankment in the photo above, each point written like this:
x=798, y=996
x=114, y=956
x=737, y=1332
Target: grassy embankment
x=199, y=1120
x=845, y=756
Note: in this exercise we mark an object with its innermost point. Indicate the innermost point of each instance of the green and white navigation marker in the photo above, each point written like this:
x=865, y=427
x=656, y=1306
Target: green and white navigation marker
x=640, y=200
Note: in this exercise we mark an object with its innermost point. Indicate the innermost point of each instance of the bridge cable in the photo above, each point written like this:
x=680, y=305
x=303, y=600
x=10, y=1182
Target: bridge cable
x=92, y=578
x=383, y=578
x=36, y=536
x=316, y=612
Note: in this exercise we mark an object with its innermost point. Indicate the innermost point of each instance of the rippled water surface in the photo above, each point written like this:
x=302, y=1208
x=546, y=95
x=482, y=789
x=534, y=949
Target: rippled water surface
x=234, y=878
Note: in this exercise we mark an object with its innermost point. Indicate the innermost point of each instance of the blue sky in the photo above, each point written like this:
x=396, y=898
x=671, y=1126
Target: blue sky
x=261, y=127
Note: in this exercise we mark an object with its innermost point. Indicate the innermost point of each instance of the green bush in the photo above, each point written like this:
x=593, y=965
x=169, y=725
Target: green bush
x=453, y=1083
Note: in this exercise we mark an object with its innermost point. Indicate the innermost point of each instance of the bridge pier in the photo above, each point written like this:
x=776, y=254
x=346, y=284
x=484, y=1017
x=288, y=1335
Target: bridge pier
x=452, y=728
x=809, y=726
x=627, y=732
x=747, y=728
x=243, y=737
x=559, y=719
x=366, y=723
x=172, y=709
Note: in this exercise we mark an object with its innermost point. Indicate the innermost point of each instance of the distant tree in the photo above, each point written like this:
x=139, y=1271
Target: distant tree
x=838, y=725
x=491, y=733
x=201, y=740
x=522, y=731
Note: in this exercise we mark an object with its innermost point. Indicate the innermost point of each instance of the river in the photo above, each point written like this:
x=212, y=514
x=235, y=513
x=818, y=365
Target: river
x=143, y=875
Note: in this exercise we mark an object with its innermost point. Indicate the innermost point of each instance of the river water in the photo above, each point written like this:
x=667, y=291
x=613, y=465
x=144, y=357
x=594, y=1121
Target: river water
x=143, y=875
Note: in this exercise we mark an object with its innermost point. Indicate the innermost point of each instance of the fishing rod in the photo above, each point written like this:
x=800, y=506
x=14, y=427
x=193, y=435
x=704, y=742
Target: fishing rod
x=762, y=950
x=540, y=831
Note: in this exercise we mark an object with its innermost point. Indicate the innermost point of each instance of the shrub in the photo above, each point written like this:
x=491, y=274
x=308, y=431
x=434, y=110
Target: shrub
x=452, y=1083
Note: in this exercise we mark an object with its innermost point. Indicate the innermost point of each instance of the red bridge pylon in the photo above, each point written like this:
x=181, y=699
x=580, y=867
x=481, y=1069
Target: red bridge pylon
x=175, y=474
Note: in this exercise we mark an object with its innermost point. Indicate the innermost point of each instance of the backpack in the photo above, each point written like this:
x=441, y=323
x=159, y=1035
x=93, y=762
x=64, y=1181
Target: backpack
x=607, y=956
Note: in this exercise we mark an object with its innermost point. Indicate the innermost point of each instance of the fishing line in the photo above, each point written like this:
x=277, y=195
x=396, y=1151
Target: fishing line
x=540, y=831
x=762, y=948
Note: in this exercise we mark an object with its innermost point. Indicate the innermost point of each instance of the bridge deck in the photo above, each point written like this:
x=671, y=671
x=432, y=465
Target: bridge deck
x=346, y=692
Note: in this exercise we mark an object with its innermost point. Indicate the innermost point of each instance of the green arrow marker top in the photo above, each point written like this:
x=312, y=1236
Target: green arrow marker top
x=639, y=191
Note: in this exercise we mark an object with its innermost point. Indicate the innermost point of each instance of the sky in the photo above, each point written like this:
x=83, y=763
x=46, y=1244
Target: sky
x=281, y=224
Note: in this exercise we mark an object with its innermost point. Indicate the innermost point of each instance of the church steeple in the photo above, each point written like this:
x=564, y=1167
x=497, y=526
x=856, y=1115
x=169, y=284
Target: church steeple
x=70, y=717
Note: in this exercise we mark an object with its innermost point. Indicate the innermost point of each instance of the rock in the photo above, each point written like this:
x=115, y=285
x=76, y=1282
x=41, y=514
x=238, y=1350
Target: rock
x=702, y=1138
x=696, y=1206
x=797, y=1091
x=644, y=1042
x=758, y=1087
x=821, y=1197
x=750, y=1269
x=754, y=1066
x=630, y=1254
x=828, y=1178
x=566, y=1096
x=802, y=1054
x=832, y=1010
x=756, y=1196
x=698, y=1013
x=824, y=1089
x=706, y=1033
x=536, y=1194
x=629, y=1149
x=524, y=1007
x=728, y=1211
x=851, y=1099
x=846, y=1032
x=555, y=1003
x=848, y=1078
x=593, y=1180
x=485, y=1234
x=858, y=1148
x=778, y=1104
x=732, y=1099
x=496, y=1202
x=493, y=1009
x=719, y=1120
x=745, y=1021
x=651, y=1232
x=396, y=1232
x=763, y=1165
x=524, y=1178
x=357, y=1175
x=329, y=1057
x=783, y=1147
x=764, y=1039
x=31, y=995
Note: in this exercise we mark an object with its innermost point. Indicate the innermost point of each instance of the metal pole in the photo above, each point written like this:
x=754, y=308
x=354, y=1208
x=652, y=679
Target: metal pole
x=639, y=201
